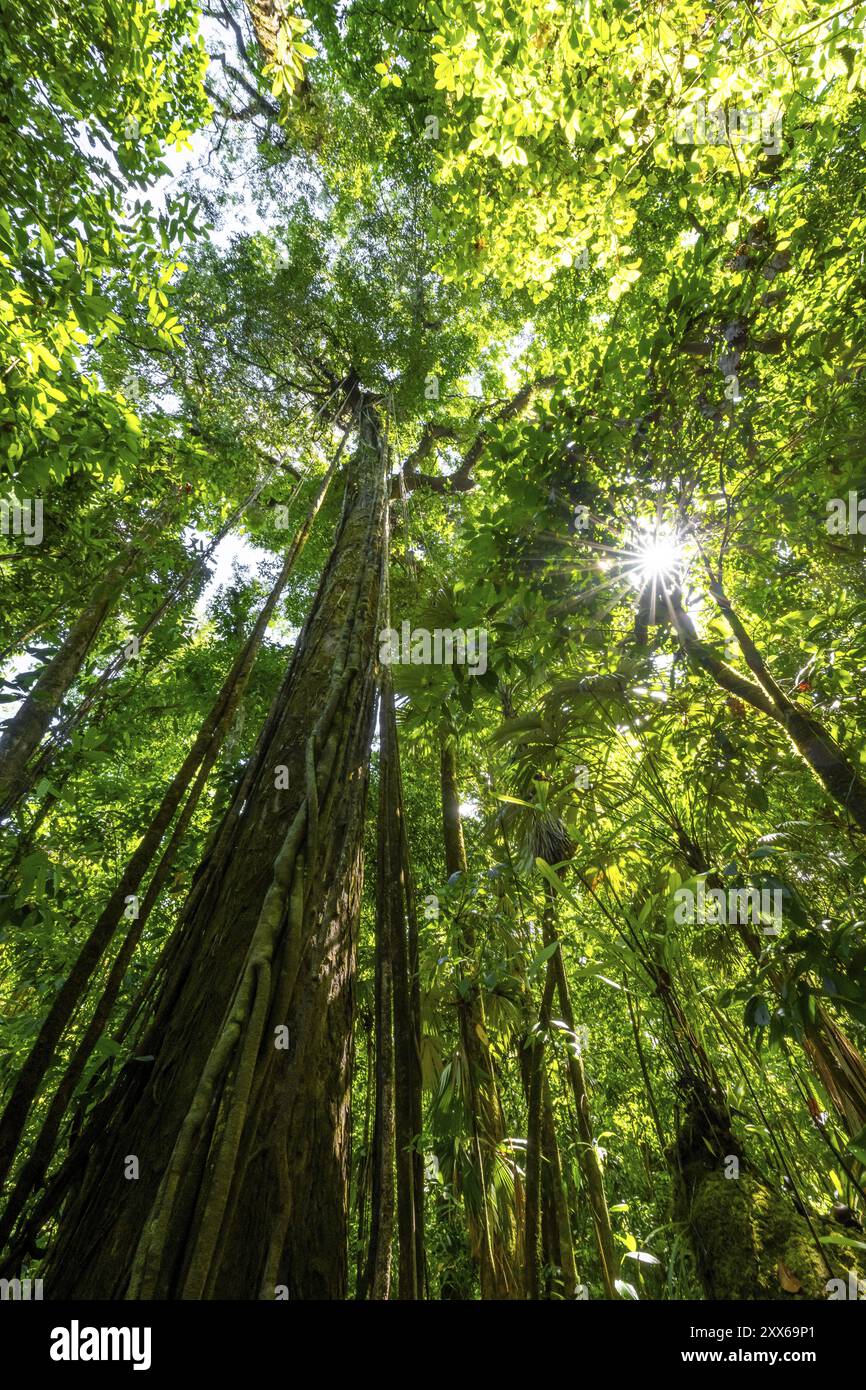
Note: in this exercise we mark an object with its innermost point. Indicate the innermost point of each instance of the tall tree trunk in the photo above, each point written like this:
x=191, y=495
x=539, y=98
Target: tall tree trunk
x=398, y=1075
x=407, y=1053
x=495, y=1248
x=557, y=1242
x=535, y=1127
x=415, y=1080
x=590, y=1163
x=560, y=1219
x=204, y=750
x=240, y=1124
x=377, y=1278
x=26, y=729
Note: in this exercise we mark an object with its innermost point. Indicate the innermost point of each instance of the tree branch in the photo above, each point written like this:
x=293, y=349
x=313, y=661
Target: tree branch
x=461, y=479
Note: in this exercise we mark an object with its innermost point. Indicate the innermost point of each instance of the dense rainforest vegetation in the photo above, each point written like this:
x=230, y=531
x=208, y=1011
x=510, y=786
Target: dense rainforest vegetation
x=432, y=772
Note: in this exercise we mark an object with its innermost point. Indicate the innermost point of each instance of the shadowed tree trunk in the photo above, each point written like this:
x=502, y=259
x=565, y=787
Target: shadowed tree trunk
x=240, y=1124
x=407, y=1040
x=377, y=1275
x=560, y=1241
x=749, y=1241
x=26, y=729
x=535, y=1130
x=413, y=1048
x=590, y=1163
x=397, y=1040
x=202, y=754
x=495, y=1249
x=557, y=1242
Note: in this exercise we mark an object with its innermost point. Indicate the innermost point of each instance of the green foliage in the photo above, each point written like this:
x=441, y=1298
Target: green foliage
x=191, y=354
x=94, y=94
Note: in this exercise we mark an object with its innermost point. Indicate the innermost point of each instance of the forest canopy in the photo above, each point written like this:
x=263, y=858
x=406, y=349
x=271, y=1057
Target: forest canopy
x=432, y=762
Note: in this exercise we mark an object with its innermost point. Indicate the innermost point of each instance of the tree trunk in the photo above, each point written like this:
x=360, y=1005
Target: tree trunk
x=535, y=1130
x=830, y=764
x=552, y=1176
x=749, y=1242
x=240, y=1124
x=415, y=1081
x=452, y=826
x=377, y=1279
x=590, y=1163
x=26, y=729
x=833, y=1057
x=407, y=1044
x=494, y=1248
x=205, y=749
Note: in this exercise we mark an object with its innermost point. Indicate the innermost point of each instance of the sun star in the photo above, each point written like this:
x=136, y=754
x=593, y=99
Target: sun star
x=657, y=557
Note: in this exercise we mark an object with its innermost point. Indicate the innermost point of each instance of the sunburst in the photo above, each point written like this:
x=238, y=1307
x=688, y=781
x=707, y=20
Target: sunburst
x=657, y=556
x=654, y=555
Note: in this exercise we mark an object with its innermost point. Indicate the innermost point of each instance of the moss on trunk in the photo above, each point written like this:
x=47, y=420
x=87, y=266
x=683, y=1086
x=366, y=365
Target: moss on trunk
x=748, y=1240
